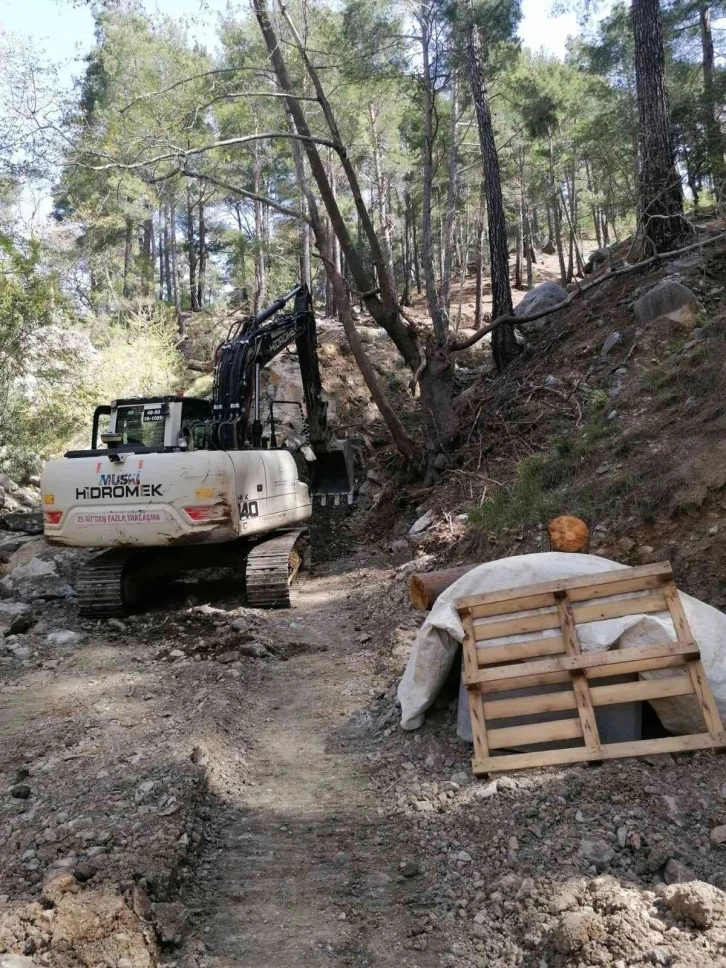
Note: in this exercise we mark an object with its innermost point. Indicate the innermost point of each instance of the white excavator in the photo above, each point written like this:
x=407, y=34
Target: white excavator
x=185, y=483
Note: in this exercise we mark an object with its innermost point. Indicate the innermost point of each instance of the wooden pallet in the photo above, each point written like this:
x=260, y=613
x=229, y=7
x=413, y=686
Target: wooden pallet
x=552, y=612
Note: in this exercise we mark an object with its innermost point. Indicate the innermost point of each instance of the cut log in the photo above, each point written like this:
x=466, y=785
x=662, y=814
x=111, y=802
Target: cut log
x=425, y=587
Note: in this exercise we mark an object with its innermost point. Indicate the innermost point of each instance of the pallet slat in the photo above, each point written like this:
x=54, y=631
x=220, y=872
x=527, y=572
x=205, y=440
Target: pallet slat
x=660, y=569
x=558, y=729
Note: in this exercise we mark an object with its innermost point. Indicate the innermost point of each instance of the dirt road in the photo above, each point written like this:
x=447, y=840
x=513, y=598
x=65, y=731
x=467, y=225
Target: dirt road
x=303, y=871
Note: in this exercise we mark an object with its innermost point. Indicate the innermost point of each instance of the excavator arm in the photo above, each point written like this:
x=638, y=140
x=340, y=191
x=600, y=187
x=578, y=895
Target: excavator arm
x=236, y=397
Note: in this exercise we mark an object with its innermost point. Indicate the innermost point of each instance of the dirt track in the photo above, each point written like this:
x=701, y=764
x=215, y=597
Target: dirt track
x=304, y=872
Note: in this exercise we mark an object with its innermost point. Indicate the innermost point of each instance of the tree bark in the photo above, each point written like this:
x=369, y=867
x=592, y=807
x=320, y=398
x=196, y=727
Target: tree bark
x=128, y=244
x=504, y=344
x=167, y=258
x=176, y=281
x=260, y=275
x=714, y=136
x=192, y=253
x=437, y=312
x=202, y=274
x=449, y=228
x=381, y=193
x=556, y=214
x=425, y=587
x=661, y=193
x=478, y=258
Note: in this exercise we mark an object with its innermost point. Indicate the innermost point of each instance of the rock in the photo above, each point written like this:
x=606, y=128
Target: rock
x=441, y=462
x=424, y=522
x=17, y=961
x=464, y=857
x=31, y=522
x=625, y=545
x=116, y=624
x=718, y=835
x=596, y=260
x=25, y=553
x=485, y=790
x=677, y=873
x=21, y=791
x=551, y=381
x=63, y=637
x=460, y=778
x=226, y=657
x=141, y=903
x=15, y=617
x=659, y=956
x=668, y=300
x=255, y=650
x=696, y=901
x=506, y=783
x=544, y=296
x=597, y=852
x=575, y=930
x=613, y=340
x=398, y=547
x=240, y=625
x=568, y=533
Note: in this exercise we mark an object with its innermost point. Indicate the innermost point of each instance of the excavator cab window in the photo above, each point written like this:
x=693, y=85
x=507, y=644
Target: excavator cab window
x=140, y=425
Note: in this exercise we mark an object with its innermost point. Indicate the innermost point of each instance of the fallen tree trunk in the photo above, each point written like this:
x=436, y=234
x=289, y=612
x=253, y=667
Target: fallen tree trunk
x=425, y=588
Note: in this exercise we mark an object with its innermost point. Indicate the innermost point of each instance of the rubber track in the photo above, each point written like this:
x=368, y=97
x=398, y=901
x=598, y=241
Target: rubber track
x=100, y=584
x=271, y=566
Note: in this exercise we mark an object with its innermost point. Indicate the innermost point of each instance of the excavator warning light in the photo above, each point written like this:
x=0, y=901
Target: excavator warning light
x=52, y=517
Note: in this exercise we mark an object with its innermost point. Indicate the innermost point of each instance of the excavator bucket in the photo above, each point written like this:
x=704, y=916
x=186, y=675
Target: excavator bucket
x=332, y=472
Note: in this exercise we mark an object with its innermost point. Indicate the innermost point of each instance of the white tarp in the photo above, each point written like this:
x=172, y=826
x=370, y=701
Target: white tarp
x=440, y=635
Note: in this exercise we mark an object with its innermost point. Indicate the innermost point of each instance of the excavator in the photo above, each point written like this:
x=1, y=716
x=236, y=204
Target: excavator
x=185, y=483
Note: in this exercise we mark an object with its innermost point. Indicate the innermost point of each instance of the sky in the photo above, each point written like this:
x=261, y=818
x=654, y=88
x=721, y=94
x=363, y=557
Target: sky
x=64, y=30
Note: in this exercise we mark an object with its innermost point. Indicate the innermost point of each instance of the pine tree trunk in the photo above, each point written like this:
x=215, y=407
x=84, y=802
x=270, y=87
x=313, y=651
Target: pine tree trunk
x=437, y=312
x=714, y=137
x=449, y=225
x=176, y=281
x=260, y=276
x=128, y=244
x=167, y=259
x=478, y=258
x=504, y=344
x=381, y=193
x=556, y=214
x=192, y=253
x=416, y=259
x=202, y=274
x=661, y=193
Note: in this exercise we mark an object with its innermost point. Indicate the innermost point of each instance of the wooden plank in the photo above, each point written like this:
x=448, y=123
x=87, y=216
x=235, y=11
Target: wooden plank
x=586, y=660
x=521, y=603
x=476, y=702
x=530, y=734
x=662, y=568
x=702, y=689
x=587, y=593
x=552, y=702
x=609, y=751
x=697, y=673
x=552, y=678
x=643, y=690
x=516, y=626
x=548, y=702
x=494, y=654
x=678, y=616
x=620, y=608
x=583, y=614
x=579, y=684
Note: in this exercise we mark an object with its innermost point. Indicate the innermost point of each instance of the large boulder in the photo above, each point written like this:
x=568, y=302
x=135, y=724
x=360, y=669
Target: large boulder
x=596, y=260
x=30, y=522
x=543, y=296
x=15, y=617
x=671, y=300
x=35, y=580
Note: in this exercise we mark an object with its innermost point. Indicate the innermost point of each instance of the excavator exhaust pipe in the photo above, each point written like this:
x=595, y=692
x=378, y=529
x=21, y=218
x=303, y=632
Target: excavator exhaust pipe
x=332, y=472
